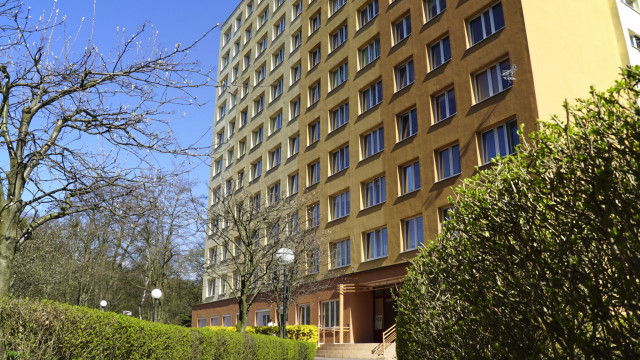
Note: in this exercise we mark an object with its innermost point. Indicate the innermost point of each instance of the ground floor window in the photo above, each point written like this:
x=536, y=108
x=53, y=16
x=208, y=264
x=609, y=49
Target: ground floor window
x=226, y=320
x=331, y=313
x=304, y=314
x=262, y=317
x=214, y=321
x=202, y=322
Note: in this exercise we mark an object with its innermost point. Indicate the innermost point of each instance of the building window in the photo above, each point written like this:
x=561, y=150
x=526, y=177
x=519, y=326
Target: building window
x=245, y=88
x=296, y=72
x=485, y=24
x=229, y=157
x=262, y=18
x=489, y=82
x=249, y=8
x=274, y=193
x=501, y=140
x=340, y=253
x=296, y=40
x=445, y=216
x=314, y=23
x=340, y=159
x=374, y=192
x=222, y=111
x=412, y=233
x=373, y=142
x=294, y=108
x=314, y=93
x=256, y=169
x=234, y=99
x=339, y=116
x=276, y=89
x=294, y=145
x=256, y=136
x=402, y=29
x=313, y=262
x=218, y=165
x=262, y=317
x=242, y=147
x=244, y=117
x=314, y=57
x=247, y=61
x=202, y=322
x=434, y=7
x=339, y=75
x=276, y=122
x=258, y=105
x=261, y=73
x=449, y=162
x=274, y=157
x=213, y=255
x=339, y=37
x=313, y=170
x=407, y=124
x=368, y=12
x=330, y=314
x=293, y=183
x=340, y=205
x=444, y=105
x=278, y=57
x=229, y=186
x=370, y=53
x=635, y=39
x=262, y=46
x=214, y=319
x=375, y=244
x=297, y=9
x=225, y=60
x=226, y=320
x=304, y=314
x=404, y=75
x=440, y=52
x=240, y=178
x=223, y=289
x=314, y=132
x=371, y=96
x=236, y=48
x=256, y=201
x=337, y=5
x=313, y=215
x=248, y=34
x=279, y=27
x=409, y=178
x=211, y=287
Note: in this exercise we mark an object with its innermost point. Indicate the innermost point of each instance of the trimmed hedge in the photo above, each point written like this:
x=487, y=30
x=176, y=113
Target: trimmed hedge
x=308, y=333
x=49, y=330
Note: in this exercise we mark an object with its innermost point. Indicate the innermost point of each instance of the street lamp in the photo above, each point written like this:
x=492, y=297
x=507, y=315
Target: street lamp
x=155, y=294
x=285, y=257
x=103, y=304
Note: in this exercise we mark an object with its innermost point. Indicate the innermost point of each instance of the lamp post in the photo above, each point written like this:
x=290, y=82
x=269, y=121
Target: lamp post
x=103, y=304
x=284, y=257
x=155, y=294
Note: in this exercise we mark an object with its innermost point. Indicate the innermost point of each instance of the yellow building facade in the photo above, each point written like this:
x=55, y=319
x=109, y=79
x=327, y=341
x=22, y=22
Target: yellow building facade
x=392, y=104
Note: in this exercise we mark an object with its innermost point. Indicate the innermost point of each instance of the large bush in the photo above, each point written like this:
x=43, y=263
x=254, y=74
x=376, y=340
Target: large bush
x=49, y=330
x=541, y=258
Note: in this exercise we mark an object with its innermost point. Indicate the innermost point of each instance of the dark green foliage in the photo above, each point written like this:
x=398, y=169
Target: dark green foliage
x=541, y=259
x=48, y=330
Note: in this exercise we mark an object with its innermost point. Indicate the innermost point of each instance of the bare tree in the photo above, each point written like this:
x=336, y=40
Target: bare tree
x=247, y=233
x=75, y=120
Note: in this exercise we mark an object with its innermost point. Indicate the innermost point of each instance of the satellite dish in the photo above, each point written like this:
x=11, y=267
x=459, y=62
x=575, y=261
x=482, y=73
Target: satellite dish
x=509, y=74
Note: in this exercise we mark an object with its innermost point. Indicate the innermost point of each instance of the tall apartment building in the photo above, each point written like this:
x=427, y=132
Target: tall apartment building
x=381, y=107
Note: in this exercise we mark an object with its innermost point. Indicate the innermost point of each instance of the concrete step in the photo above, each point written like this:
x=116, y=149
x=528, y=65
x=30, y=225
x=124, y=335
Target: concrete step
x=347, y=351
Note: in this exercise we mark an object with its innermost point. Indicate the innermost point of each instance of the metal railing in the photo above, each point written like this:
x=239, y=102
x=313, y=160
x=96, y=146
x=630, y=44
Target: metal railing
x=388, y=337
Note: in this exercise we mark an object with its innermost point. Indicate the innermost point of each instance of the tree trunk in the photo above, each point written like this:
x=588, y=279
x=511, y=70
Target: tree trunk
x=7, y=253
x=241, y=326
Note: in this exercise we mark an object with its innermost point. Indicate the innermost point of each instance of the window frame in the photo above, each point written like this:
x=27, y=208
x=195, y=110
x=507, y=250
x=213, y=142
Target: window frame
x=407, y=226
x=483, y=26
x=401, y=29
x=339, y=159
x=374, y=192
x=510, y=140
x=410, y=177
x=340, y=251
x=448, y=152
x=374, y=94
x=447, y=95
x=404, y=74
x=502, y=84
x=375, y=244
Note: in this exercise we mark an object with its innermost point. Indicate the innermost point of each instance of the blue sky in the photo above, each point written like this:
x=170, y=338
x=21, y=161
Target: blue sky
x=176, y=22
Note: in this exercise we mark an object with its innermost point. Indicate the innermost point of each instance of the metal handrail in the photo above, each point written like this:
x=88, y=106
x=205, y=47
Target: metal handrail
x=388, y=337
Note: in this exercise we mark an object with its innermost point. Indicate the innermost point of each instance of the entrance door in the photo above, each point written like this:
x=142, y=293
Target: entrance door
x=384, y=312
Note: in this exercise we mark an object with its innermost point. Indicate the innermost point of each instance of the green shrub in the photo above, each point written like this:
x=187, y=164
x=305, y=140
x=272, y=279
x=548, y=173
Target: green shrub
x=308, y=333
x=48, y=330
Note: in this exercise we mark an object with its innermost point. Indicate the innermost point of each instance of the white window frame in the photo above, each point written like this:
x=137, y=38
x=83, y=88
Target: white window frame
x=257, y=135
x=275, y=157
x=314, y=93
x=294, y=145
x=495, y=83
x=410, y=180
x=314, y=57
x=507, y=141
x=296, y=73
x=340, y=75
x=313, y=172
x=340, y=205
x=412, y=226
x=407, y=124
x=446, y=108
x=371, y=96
x=440, y=52
x=374, y=192
x=372, y=142
x=313, y=215
x=339, y=159
x=294, y=108
x=369, y=53
x=263, y=317
x=368, y=12
x=294, y=183
x=276, y=122
x=340, y=253
x=438, y=5
x=404, y=75
x=484, y=17
x=402, y=29
x=339, y=37
x=376, y=244
x=314, y=23
x=304, y=314
x=256, y=169
x=446, y=162
x=339, y=116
